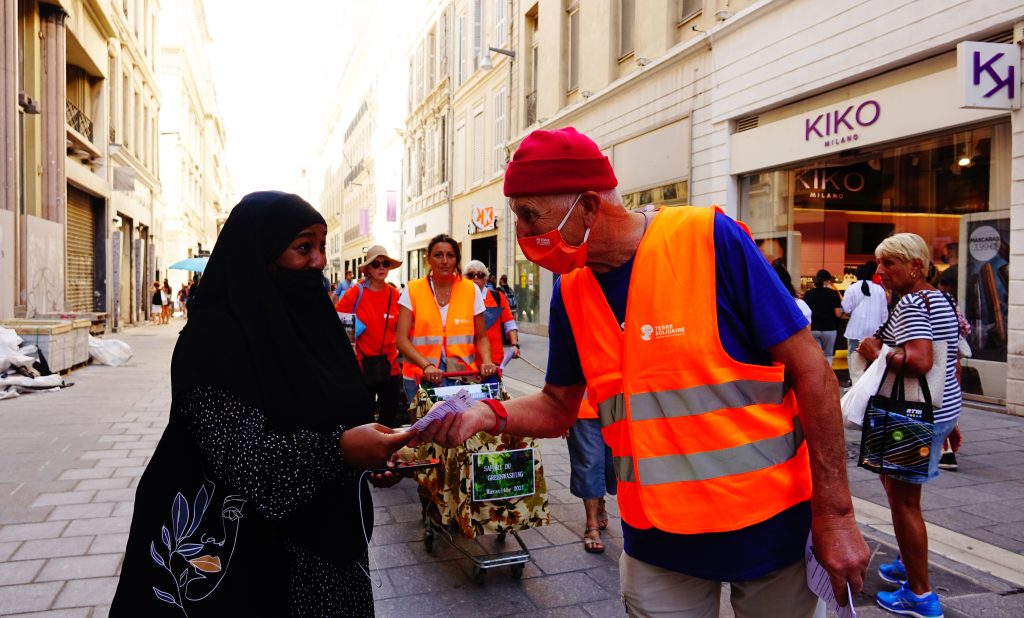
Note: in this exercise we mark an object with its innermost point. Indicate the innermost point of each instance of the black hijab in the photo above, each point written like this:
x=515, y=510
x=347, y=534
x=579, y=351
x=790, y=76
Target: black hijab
x=271, y=337
x=287, y=353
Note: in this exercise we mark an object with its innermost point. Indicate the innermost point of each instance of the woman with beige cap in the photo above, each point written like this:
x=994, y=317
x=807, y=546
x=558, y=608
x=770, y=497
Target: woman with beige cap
x=375, y=304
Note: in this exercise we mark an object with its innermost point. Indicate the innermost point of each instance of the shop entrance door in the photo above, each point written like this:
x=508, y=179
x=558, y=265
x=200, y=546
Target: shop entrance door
x=486, y=250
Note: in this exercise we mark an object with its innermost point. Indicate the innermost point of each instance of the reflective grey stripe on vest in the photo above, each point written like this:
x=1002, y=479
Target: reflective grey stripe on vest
x=724, y=462
x=429, y=340
x=611, y=410
x=703, y=399
x=457, y=339
x=623, y=469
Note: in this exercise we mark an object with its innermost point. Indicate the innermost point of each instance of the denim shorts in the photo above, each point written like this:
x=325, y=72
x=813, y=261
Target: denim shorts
x=590, y=461
x=942, y=430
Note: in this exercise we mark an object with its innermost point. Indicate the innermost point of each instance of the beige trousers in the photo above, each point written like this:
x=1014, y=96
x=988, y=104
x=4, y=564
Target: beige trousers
x=649, y=591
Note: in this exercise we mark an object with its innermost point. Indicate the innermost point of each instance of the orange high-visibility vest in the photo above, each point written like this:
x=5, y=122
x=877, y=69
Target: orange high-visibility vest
x=700, y=442
x=587, y=411
x=430, y=335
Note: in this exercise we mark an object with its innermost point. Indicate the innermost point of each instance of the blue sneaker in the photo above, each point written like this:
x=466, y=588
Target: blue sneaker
x=893, y=572
x=905, y=602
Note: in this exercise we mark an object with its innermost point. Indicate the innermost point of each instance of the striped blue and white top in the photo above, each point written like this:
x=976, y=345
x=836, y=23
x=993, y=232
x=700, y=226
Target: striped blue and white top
x=936, y=321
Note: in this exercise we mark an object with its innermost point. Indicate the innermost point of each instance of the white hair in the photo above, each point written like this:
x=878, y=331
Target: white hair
x=905, y=247
x=477, y=265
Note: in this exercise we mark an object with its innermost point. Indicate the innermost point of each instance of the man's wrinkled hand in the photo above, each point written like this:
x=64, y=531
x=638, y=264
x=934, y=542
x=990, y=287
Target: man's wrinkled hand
x=455, y=429
x=841, y=550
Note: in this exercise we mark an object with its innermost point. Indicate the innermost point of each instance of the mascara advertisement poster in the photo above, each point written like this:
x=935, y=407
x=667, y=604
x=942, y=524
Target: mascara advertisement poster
x=503, y=474
x=988, y=286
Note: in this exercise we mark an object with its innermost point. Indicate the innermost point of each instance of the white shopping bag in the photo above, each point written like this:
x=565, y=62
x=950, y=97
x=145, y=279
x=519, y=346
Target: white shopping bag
x=855, y=401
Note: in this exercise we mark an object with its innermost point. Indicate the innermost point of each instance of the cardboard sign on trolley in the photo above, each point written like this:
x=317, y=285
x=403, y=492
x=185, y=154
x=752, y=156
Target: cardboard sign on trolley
x=501, y=475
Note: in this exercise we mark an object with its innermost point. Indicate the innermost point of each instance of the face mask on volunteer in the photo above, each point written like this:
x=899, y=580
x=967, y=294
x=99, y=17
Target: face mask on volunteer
x=552, y=252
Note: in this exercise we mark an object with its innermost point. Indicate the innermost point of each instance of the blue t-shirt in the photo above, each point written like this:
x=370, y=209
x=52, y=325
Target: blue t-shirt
x=754, y=313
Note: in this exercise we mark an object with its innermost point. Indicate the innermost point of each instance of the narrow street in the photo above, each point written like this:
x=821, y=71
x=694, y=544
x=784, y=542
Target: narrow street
x=69, y=462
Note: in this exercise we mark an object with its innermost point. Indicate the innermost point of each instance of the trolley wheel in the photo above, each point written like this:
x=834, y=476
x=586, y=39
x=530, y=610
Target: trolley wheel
x=517, y=571
x=428, y=540
x=479, y=575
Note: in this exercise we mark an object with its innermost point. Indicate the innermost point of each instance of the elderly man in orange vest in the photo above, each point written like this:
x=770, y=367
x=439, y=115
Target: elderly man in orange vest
x=723, y=421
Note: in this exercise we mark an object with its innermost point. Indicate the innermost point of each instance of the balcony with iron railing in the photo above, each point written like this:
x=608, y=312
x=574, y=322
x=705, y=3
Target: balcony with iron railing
x=531, y=108
x=77, y=120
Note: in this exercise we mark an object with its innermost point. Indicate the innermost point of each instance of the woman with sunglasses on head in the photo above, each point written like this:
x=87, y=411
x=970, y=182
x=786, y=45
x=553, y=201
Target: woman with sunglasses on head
x=498, y=317
x=375, y=304
x=441, y=321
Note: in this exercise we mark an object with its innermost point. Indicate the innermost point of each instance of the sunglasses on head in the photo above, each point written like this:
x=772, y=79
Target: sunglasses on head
x=476, y=276
x=381, y=264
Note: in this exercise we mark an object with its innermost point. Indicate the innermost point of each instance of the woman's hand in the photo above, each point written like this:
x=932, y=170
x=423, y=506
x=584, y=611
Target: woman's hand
x=370, y=446
x=387, y=479
x=487, y=369
x=432, y=374
x=869, y=348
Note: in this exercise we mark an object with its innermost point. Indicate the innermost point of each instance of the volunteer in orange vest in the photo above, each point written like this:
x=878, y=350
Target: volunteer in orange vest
x=375, y=304
x=441, y=321
x=722, y=416
x=591, y=474
x=498, y=317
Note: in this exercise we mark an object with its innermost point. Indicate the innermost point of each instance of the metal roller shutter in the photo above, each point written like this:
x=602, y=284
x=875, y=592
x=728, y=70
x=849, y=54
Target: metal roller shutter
x=81, y=259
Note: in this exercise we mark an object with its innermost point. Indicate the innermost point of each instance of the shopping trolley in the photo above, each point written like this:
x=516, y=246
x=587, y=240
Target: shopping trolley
x=448, y=499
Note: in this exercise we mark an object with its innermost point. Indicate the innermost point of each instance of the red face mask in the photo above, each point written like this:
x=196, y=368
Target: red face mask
x=552, y=252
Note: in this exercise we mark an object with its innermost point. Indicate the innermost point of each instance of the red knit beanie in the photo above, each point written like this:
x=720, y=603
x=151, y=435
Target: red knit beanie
x=559, y=161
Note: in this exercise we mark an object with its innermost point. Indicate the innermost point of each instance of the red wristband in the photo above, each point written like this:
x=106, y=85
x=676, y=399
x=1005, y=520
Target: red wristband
x=500, y=413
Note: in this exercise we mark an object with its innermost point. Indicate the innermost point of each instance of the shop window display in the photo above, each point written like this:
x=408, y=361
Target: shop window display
x=831, y=214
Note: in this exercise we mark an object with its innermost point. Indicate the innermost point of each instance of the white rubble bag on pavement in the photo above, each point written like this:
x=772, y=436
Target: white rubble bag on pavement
x=11, y=354
x=113, y=352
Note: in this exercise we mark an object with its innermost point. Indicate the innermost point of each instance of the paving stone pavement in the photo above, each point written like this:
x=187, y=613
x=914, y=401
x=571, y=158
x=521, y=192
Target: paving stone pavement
x=69, y=463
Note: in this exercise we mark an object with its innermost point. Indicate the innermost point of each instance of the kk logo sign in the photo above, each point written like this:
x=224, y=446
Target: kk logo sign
x=989, y=75
x=483, y=217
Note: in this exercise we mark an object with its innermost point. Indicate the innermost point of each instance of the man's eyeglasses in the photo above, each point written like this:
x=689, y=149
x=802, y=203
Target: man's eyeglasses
x=381, y=264
x=476, y=276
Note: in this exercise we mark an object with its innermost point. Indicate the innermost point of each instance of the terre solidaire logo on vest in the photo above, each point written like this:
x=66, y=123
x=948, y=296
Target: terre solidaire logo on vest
x=648, y=332
x=543, y=242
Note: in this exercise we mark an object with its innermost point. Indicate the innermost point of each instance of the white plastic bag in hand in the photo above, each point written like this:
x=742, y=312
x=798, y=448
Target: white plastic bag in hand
x=855, y=401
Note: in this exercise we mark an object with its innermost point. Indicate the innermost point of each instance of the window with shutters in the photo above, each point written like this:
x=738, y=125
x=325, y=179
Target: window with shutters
x=459, y=163
x=574, y=50
x=460, y=55
x=478, y=32
x=479, y=155
x=627, y=19
x=500, y=127
x=690, y=9
x=498, y=36
x=431, y=60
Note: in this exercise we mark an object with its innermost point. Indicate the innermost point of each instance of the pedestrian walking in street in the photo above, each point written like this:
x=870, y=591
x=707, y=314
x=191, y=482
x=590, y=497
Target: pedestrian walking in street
x=865, y=304
x=254, y=501
x=183, y=300
x=826, y=309
x=787, y=282
x=441, y=321
x=923, y=316
x=375, y=304
x=722, y=418
x=166, y=302
x=591, y=473
x=343, y=286
x=510, y=294
x=498, y=319
x=156, y=303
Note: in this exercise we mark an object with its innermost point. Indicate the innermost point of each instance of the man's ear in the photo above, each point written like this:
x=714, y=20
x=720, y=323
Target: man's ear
x=590, y=202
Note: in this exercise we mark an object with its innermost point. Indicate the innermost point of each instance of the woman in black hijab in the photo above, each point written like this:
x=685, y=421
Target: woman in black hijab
x=253, y=502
